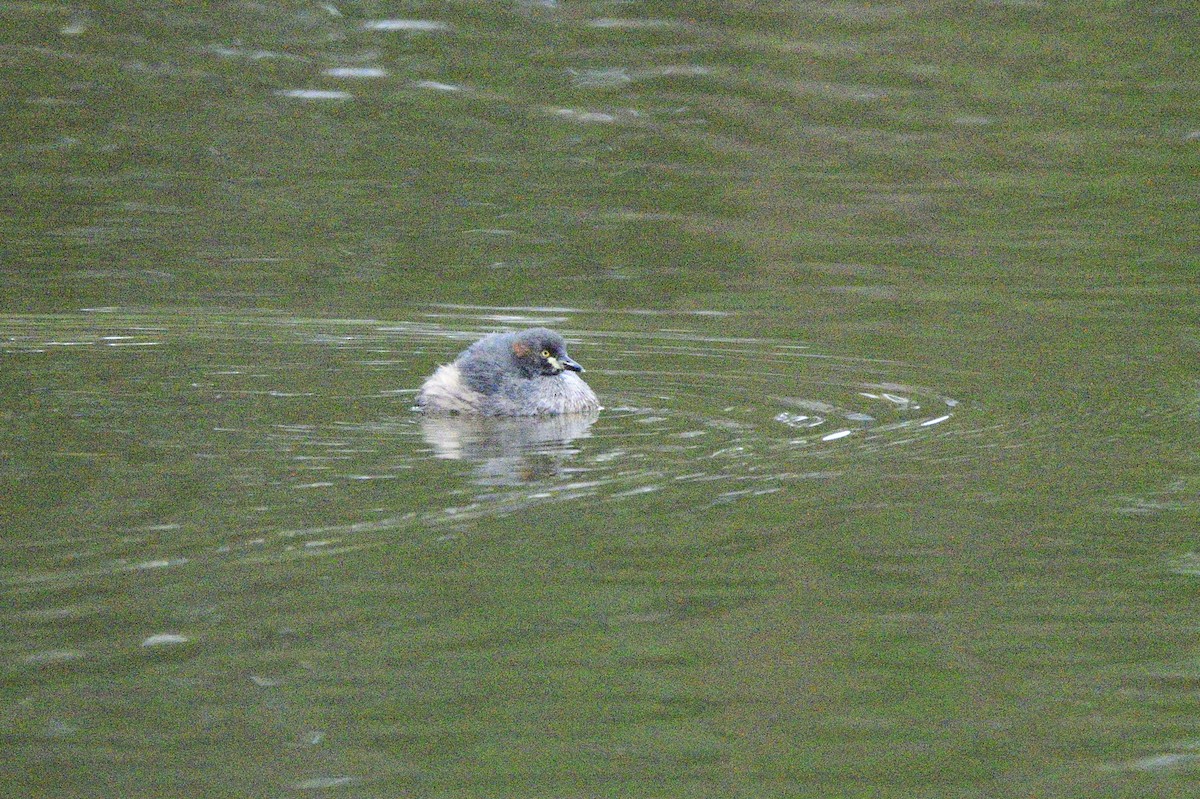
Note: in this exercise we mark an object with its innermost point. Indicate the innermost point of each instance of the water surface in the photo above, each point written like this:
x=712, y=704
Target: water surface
x=892, y=310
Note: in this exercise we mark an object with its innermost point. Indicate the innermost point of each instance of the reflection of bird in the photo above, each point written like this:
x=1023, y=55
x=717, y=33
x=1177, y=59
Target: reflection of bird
x=508, y=450
x=510, y=374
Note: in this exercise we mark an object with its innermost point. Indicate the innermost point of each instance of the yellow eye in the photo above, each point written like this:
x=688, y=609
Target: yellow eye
x=545, y=353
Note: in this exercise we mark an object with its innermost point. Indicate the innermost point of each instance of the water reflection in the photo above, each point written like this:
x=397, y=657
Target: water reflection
x=409, y=25
x=508, y=450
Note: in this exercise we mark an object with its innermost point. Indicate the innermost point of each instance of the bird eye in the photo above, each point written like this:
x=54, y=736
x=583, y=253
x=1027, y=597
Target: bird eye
x=545, y=353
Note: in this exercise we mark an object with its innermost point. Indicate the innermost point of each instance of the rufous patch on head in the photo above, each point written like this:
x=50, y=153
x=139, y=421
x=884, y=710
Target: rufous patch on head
x=520, y=349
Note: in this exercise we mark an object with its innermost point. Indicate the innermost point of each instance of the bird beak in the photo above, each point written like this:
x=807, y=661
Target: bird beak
x=567, y=363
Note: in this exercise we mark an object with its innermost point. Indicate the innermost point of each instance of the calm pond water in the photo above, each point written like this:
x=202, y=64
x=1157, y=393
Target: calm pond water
x=893, y=310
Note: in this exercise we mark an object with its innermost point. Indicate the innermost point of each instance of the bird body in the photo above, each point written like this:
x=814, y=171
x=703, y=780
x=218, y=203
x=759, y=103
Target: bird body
x=509, y=374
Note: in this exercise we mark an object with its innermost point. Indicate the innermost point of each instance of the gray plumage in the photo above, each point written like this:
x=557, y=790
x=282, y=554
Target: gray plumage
x=510, y=374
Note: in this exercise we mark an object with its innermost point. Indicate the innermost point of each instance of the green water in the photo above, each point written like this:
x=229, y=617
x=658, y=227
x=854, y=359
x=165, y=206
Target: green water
x=892, y=308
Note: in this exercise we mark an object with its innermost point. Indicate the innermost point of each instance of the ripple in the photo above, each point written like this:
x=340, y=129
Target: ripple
x=408, y=25
x=315, y=94
x=355, y=72
x=307, y=424
x=324, y=783
x=613, y=23
x=700, y=416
